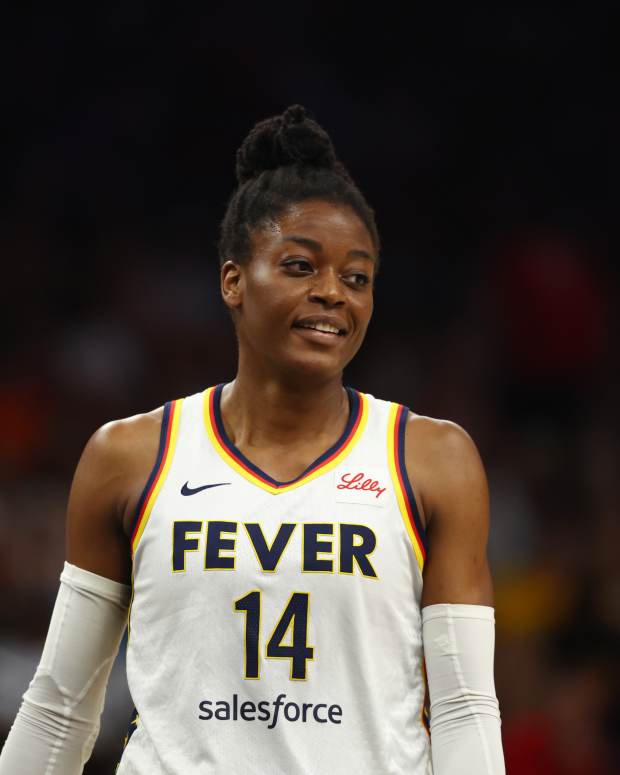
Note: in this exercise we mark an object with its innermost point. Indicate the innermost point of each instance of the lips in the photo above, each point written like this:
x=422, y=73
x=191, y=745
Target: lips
x=324, y=324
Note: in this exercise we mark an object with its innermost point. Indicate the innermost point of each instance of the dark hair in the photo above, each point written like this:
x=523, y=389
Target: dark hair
x=284, y=160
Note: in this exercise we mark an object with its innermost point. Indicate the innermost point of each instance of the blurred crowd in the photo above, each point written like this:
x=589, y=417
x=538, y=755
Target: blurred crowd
x=497, y=301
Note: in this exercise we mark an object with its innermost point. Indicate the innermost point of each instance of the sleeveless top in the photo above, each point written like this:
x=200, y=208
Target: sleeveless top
x=275, y=627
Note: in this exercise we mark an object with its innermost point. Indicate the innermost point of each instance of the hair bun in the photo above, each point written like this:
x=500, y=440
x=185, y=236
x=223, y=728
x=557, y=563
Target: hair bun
x=294, y=114
x=281, y=141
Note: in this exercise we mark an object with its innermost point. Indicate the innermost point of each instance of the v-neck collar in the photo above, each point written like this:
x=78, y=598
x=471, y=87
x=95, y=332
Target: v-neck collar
x=358, y=414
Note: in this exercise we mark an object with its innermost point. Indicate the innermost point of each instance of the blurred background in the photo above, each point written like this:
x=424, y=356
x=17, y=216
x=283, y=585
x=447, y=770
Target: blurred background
x=482, y=137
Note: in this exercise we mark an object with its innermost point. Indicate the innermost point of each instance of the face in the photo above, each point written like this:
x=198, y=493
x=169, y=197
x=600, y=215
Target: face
x=303, y=301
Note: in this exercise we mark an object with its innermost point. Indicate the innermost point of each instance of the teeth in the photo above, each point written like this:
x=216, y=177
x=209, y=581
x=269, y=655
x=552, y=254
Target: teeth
x=325, y=327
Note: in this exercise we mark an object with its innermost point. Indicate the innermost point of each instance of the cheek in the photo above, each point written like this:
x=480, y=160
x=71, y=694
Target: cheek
x=363, y=312
x=266, y=303
x=258, y=291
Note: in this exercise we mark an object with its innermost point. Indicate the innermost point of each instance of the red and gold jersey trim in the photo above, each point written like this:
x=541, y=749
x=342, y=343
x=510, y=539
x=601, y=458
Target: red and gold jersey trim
x=354, y=429
x=425, y=715
x=397, y=424
x=167, y=443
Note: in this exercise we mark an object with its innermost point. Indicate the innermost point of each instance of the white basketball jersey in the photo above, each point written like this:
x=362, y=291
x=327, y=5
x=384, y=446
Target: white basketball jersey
x=275, y=628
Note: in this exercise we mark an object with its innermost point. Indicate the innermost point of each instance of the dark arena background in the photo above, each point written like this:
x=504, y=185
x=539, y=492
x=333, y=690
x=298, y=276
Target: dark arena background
x=482, y=138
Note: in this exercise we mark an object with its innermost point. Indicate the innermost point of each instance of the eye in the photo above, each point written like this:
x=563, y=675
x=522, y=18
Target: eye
x=358, y=279
x=298, y=265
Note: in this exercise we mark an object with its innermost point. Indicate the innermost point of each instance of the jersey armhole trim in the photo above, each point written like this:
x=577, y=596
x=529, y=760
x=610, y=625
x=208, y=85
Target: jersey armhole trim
x=425, y=713
x=397, y=426
x=167, y=442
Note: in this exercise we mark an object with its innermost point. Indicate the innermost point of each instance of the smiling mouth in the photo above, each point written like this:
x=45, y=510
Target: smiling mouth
x=323, y=328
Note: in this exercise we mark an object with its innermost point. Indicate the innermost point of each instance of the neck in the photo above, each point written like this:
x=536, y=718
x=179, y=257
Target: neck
x=260, y=409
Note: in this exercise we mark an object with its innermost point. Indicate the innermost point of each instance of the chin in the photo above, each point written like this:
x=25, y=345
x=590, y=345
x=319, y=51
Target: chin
x=314, y=367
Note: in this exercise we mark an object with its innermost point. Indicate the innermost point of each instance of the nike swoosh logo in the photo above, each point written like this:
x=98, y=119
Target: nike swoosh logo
x=187, y=490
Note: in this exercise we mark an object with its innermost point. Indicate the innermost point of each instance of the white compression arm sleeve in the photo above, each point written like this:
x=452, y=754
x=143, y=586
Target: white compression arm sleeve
x=58, y=722
x=459, y=643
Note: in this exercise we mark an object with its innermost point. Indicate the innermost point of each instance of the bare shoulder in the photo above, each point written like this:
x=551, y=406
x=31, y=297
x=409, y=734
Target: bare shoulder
x=443, y=462
x=428, y=438
x=442, y=459
x=119, y=453
x=108, y=481
x=124, y=442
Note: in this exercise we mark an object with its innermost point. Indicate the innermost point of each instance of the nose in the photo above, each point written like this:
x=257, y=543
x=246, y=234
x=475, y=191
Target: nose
x=327, y=289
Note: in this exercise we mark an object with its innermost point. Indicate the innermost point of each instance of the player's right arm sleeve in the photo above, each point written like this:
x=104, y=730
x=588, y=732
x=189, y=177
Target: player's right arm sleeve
x=58, y=722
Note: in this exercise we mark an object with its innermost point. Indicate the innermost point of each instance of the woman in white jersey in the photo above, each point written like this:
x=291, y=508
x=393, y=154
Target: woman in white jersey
x=291, y=556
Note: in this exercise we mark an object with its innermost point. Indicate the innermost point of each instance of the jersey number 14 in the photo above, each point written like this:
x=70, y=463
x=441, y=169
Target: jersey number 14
x=294, y=619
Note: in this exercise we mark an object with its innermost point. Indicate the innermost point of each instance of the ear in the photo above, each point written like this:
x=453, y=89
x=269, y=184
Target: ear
x=231, y=284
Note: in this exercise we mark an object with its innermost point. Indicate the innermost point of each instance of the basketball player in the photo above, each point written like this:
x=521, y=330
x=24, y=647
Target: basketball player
x=294, y=559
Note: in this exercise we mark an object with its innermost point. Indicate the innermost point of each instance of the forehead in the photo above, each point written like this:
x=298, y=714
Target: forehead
x=325, y=222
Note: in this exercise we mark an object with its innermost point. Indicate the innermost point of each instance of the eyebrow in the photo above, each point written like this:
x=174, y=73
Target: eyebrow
x=316, y=246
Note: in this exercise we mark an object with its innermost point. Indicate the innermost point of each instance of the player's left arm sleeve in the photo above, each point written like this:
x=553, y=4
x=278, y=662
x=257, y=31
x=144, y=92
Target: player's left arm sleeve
x=459, y=643
x=457, y=601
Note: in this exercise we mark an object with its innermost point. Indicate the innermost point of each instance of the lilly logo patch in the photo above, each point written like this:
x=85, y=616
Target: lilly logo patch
x=358, y=487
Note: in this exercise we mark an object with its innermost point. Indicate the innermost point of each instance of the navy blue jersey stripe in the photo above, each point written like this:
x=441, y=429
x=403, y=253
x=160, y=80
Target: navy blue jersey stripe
x=402, y=426
x=354, y=410
x=160, y=453
x=131, y=728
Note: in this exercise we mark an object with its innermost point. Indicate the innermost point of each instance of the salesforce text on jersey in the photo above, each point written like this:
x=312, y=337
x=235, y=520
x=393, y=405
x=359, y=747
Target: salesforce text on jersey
x=321, y=713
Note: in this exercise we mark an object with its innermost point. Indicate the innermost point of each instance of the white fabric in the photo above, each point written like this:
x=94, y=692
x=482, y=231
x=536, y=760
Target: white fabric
x=58, y=722
x=465, y=721
x=187, y=642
